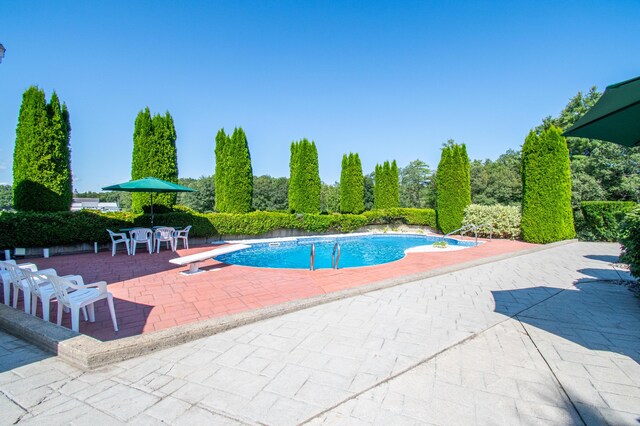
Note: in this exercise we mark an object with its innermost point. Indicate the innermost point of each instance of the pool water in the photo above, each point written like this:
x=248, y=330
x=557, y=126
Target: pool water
x=355, y=251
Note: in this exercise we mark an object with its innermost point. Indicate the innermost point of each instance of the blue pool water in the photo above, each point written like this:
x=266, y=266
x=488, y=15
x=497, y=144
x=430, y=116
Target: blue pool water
x=355, y=251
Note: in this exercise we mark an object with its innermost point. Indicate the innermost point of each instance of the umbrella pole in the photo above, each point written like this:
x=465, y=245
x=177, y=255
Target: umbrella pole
x=151, y=195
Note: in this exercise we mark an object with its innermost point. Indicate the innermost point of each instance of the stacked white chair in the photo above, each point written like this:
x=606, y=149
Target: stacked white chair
x=41, y=288
x=5, y=276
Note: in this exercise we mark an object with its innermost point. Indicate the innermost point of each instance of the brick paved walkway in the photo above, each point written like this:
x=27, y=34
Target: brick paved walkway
x=151, y=295
x=536, y=339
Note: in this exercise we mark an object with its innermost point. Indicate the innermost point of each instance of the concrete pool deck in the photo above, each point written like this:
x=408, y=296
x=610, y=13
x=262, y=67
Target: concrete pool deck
x=540, y=338
x=157, y=307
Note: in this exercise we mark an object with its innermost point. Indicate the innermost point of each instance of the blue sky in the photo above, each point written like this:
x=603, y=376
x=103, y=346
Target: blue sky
x=388, y=80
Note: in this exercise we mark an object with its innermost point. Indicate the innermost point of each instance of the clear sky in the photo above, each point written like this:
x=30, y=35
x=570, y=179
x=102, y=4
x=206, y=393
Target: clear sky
x=388, y=80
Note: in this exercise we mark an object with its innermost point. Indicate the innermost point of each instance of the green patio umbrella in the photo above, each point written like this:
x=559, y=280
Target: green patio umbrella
x=614, y=118
x=150, y=185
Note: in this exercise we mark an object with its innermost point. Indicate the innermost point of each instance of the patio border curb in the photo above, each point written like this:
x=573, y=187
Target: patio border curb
x=89, y=353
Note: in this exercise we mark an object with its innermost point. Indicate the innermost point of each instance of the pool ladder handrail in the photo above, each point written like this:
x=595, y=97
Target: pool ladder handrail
x=335, y=256
x=464, y=229
x=490, y=225
x=313, y=257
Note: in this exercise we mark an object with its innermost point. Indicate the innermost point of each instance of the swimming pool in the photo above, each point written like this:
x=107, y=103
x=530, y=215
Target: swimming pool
x=364, y=250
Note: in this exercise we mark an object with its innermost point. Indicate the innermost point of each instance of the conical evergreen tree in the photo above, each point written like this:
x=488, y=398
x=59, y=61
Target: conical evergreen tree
x=238, y=174
x=546, y=188
x=453, y=186
x=351, y=185
x=154, y=155
x=42, y=157
x=222, y=141
x=386, y=187
x=305, y=184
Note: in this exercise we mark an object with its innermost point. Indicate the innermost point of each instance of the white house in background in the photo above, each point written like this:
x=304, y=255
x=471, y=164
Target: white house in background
x=93, y=204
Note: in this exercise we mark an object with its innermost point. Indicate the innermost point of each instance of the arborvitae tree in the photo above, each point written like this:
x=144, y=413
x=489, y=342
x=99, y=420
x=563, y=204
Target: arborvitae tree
x=453, y=186
x=351, y=185
x=546, y=188
x=154, y=155
x=42, y=157
x=304, y=185
x=222, y=142
x=386, y=190
x=238, y=175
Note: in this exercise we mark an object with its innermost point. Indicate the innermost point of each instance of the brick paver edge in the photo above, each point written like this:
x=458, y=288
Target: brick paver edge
x=88, y=353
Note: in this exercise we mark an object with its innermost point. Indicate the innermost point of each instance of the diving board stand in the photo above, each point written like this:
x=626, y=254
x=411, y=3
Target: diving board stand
x=193, y=260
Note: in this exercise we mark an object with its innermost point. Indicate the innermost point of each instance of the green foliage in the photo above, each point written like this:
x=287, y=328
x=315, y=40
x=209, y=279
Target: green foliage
x=29, y=229
x=203, y=200
x=368, y=191
x=602, y=218
x=304, y=183
x=505, y=220
x=6, y=197
x=154, y=155
x=222, y=143
x=546, y=178
x=351, y=185
x=453, y=187
x=414, y=184
x=497, y=182
x=630, y=240
x=270, y=194
x=330, y=198
x=42, y=156
x=386, y=192
x=236, y=180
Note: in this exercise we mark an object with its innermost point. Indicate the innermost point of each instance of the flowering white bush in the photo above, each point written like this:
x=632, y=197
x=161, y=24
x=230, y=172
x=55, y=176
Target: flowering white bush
x=505, y=220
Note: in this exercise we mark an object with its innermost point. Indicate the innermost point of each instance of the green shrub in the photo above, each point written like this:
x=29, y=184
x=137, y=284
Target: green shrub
x=386, y=190
x=234, y=175
x=602, y=218
x=546, y=193
x=453, y=186
x=505, y=220
x=30, y=229
x=304, y=183
x=630, y=240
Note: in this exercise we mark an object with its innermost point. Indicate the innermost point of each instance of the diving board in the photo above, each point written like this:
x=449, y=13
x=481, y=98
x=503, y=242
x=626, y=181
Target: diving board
x=193, y=260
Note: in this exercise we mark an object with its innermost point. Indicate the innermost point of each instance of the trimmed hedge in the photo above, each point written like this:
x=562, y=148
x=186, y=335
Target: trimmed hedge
x=505, y=220
x=603, y=218
x=630, y=240
x=27, y=229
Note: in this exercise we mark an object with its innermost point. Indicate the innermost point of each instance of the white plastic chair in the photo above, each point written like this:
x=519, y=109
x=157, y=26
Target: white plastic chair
x=141, y=236
x=41, y=288
x=165, y=234
x=118, y=237
x=83, y=295
x=19, y=283
x=184, y=236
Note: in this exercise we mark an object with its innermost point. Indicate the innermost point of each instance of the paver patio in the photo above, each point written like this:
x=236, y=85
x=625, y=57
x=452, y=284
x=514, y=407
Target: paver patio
x=151, y=295
x=535, y=339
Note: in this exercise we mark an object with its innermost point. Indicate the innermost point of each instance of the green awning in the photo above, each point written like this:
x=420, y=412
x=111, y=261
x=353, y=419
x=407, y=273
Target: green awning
x=148, y=184
x=614, y=118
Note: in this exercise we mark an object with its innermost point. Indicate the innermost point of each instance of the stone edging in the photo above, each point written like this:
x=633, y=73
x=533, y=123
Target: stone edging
x=87, y=352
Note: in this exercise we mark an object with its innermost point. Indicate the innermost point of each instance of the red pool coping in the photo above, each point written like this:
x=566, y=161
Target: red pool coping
x=151, y=295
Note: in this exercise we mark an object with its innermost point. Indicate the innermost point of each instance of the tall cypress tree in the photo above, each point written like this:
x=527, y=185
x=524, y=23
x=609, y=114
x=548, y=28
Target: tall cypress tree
x=351, y=185
x=222, y=142
x=42, y=157
x=386, y=189
x=546, y=188
x=238, y=178
x=305, y=184
x=154, y=155
x=453, y=186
